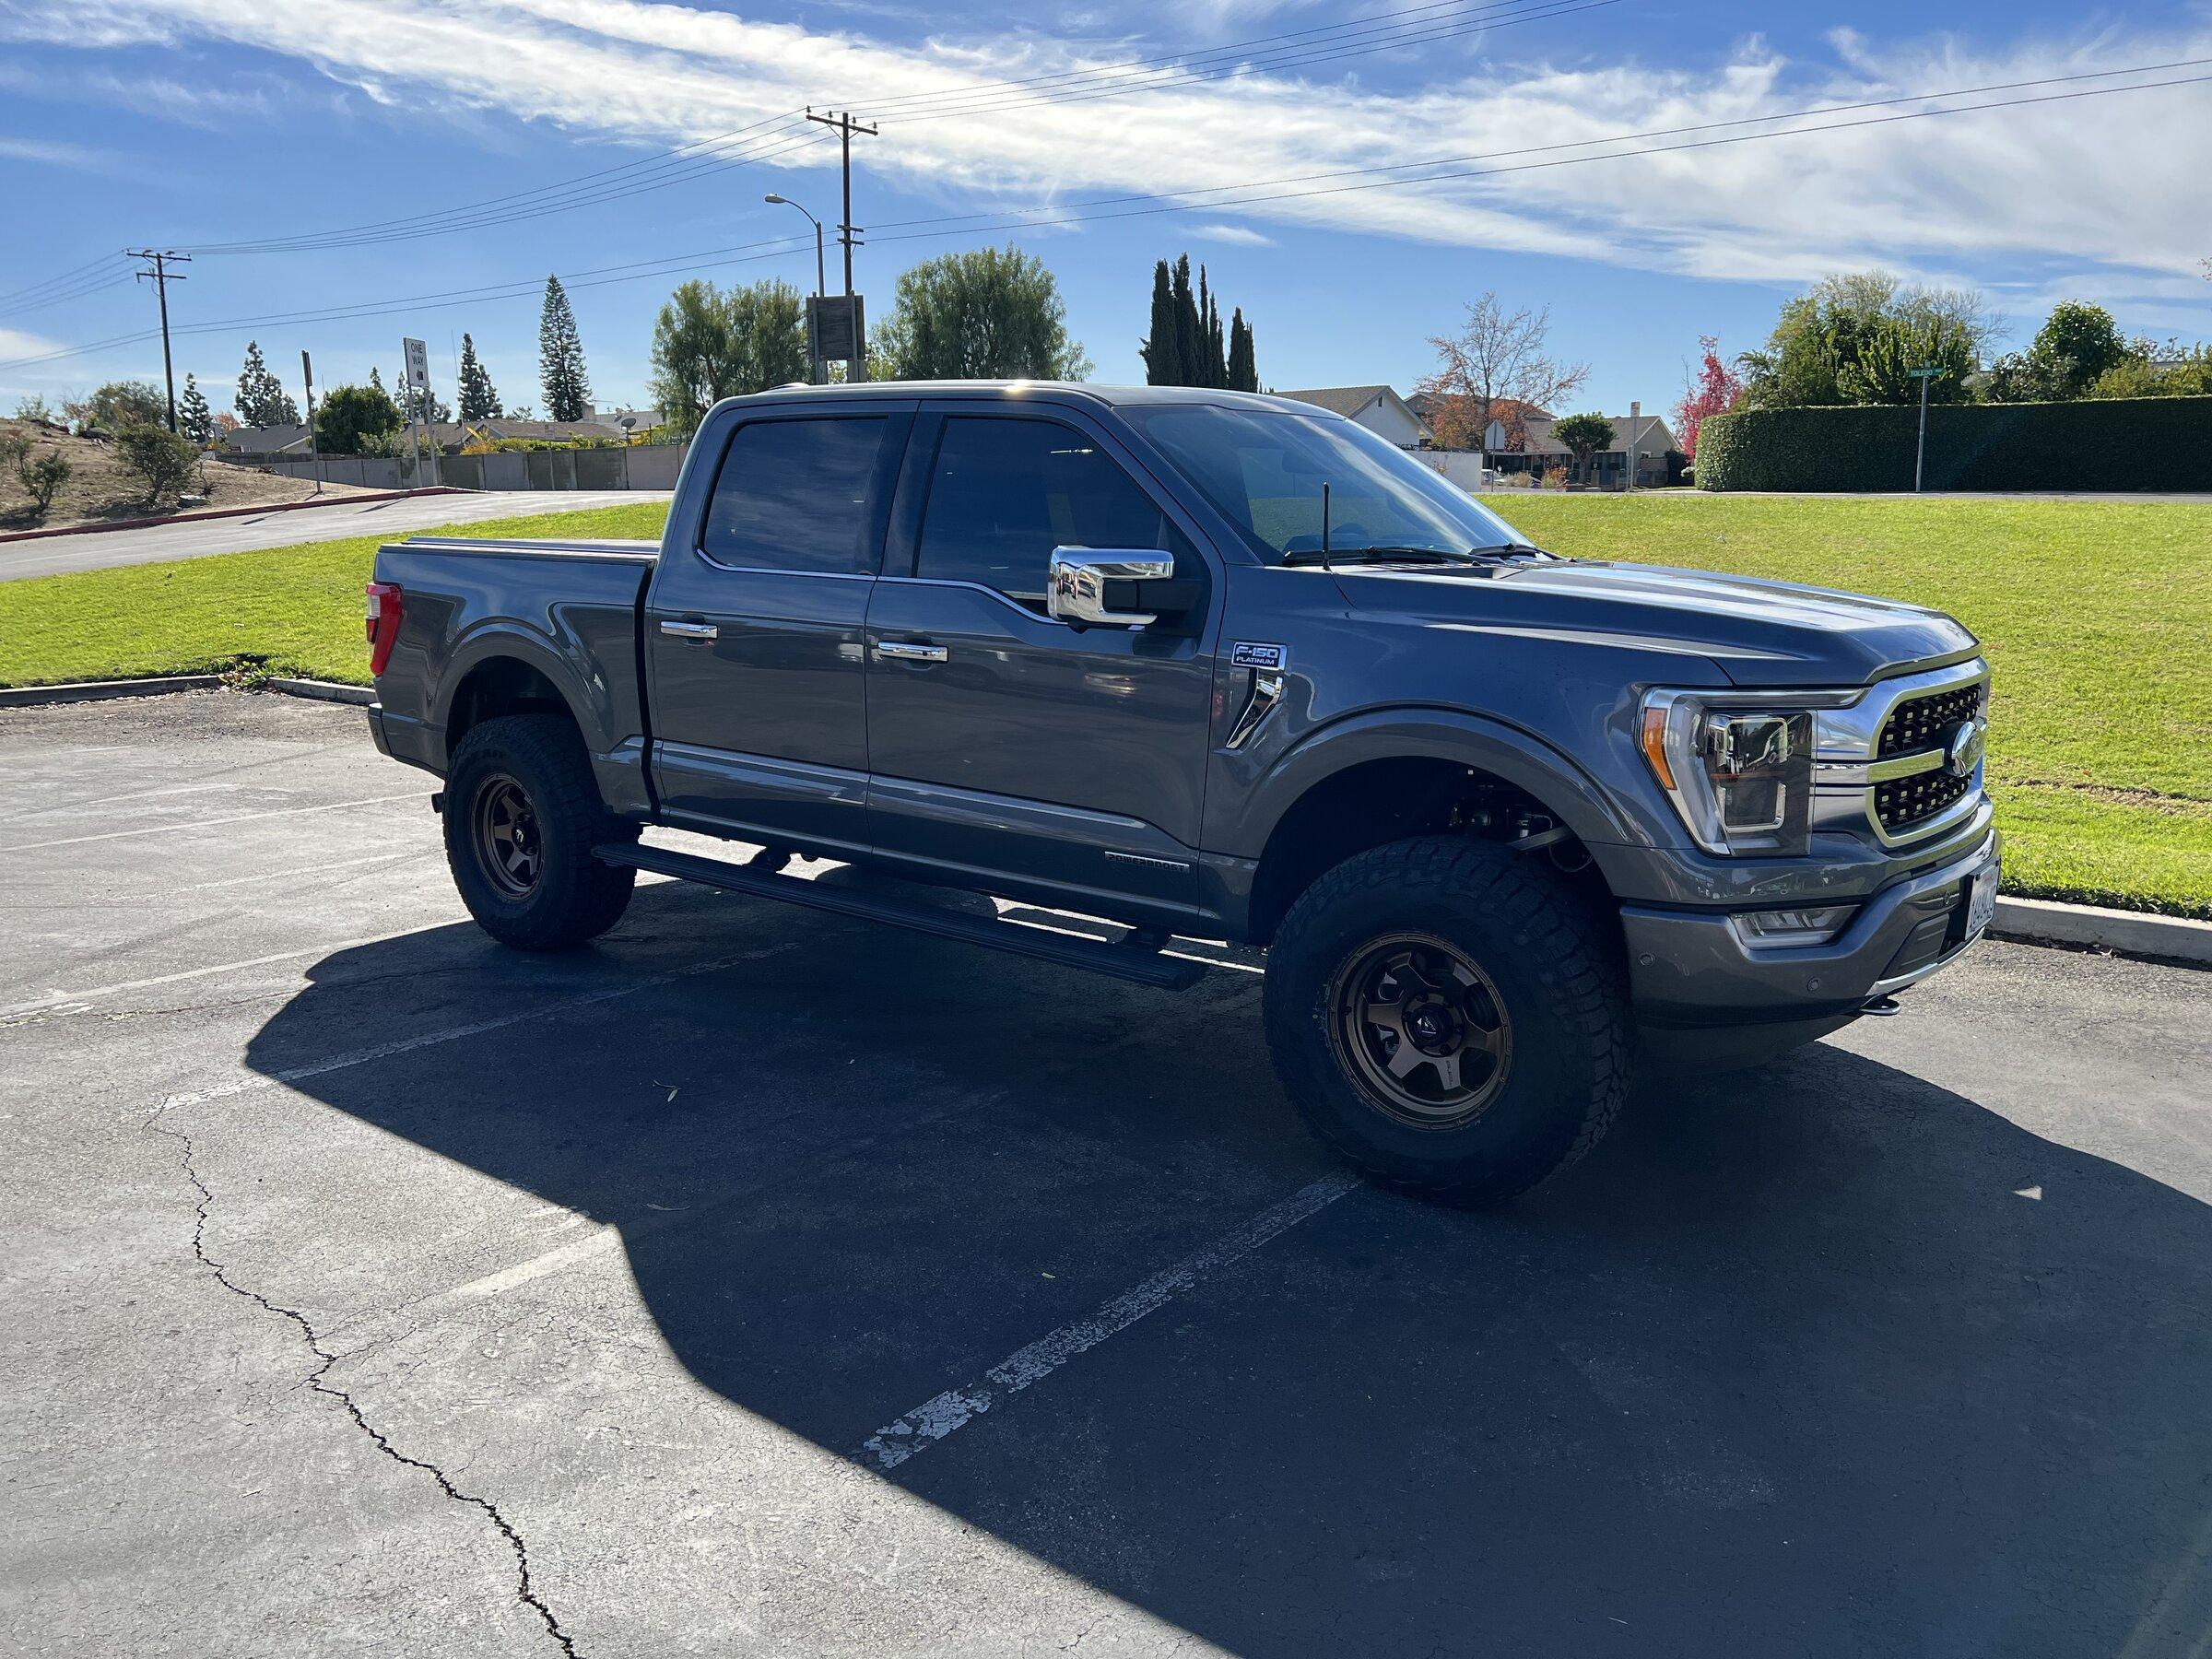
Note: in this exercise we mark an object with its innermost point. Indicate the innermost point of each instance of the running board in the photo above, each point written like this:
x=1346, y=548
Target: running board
x=1070, y=951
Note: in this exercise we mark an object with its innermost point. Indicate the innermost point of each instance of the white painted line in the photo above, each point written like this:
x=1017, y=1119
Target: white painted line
x=133, y=794
x=341, y=864
x=78, y=840
x=62, y=998
x=594, y=1242
x=933, y=1419
x=401, y=1045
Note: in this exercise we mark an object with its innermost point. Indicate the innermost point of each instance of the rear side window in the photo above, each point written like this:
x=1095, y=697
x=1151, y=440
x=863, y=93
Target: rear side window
x=794, y=495
x=1005, y=493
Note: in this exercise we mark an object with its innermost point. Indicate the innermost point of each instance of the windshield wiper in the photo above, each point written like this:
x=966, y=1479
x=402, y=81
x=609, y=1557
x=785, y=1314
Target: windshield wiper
x=1340, y=554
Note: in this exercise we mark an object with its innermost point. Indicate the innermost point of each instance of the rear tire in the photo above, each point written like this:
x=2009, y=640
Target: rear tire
x=1448, y=1015
x=523, y=814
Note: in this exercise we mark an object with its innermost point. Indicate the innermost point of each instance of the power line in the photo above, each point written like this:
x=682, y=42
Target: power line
x=1451, y=169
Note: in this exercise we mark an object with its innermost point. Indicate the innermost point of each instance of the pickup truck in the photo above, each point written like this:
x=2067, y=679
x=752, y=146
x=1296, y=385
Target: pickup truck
x=1201, y=663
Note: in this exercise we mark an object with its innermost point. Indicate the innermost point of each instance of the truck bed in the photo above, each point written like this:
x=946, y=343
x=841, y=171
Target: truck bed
x=620, y=552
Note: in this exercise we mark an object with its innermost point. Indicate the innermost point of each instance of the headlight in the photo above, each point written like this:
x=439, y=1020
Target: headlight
x=1740, y=777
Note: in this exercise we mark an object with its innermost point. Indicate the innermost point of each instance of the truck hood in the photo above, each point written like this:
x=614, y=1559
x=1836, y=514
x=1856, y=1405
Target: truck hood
x=1757, y=632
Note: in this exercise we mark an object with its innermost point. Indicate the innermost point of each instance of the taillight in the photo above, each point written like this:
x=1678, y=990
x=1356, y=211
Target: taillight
x=386, y=605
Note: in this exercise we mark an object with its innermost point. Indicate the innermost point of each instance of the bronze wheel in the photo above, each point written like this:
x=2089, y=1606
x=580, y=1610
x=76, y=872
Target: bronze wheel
x=1423, y=1030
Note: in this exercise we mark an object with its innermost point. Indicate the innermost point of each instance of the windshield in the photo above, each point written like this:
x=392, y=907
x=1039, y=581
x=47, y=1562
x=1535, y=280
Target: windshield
x=1263, y=469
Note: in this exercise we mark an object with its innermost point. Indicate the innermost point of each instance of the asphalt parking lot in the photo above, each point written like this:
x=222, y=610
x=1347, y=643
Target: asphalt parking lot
x=760, y=1282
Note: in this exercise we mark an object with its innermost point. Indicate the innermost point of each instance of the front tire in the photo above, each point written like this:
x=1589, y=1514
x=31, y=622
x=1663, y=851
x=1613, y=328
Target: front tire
x=523, y=814
x=1449, y=1018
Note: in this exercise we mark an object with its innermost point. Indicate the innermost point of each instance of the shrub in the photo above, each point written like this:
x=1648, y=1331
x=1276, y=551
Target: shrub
x=2159, y=443
x=158, y=456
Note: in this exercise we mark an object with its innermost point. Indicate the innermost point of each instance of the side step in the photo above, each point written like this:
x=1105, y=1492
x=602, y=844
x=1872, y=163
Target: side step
x=1123, y=961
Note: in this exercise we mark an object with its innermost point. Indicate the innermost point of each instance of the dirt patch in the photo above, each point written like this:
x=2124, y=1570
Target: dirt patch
x=101, y=489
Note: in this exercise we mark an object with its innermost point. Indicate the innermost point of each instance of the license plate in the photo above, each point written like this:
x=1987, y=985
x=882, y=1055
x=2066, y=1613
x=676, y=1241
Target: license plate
x=1982, y=906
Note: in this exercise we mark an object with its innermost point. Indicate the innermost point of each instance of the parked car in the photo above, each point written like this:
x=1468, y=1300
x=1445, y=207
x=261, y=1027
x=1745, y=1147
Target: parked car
x=1223, y=666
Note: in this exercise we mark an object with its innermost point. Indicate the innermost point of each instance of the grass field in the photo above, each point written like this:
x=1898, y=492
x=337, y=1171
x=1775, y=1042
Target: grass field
x=2098, y=618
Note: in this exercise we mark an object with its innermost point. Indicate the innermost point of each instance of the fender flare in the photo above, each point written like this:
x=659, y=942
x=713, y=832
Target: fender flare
x=1518, y=757
x=496, y=639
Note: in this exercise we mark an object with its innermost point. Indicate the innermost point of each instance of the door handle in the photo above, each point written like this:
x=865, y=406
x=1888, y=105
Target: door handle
x=906, y=651
x=699, y=633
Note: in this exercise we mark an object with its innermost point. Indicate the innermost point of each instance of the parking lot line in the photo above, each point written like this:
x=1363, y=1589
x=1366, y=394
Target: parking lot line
x=933, y=1419
x=78, y=840
x=58, y=999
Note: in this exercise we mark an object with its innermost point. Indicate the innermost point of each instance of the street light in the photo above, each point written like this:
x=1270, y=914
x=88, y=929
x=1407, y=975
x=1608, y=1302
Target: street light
x=821, y=278
x=821, y=284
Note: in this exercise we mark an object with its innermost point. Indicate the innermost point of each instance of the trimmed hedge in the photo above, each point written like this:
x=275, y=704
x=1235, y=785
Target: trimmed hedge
x=2147, y=443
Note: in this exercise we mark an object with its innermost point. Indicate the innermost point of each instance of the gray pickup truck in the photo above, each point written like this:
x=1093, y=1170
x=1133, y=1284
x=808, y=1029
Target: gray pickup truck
x=1193, y=662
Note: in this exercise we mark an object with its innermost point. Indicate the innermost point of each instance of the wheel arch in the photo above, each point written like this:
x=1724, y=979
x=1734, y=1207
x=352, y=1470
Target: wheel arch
x=1365, y=783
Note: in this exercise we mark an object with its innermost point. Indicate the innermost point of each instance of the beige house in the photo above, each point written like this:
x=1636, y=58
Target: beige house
x=1378, y=408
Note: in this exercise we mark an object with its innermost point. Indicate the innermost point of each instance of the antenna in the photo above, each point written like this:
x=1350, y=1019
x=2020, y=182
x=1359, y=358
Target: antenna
x=1324, y=530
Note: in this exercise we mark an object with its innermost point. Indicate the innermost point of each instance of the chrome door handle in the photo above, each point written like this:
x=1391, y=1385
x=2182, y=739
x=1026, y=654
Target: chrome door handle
x=699, y=633
x=902, y=651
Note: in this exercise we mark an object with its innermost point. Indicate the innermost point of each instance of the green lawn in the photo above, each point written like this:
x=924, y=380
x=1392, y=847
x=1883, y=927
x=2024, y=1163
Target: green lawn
x=2098, y=618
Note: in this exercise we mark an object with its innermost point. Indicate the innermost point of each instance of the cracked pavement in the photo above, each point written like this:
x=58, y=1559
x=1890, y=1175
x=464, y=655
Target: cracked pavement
x=369, y=1289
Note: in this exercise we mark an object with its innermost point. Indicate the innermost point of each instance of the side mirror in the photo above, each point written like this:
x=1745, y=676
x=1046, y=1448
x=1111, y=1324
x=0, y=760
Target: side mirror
x=1075, y=590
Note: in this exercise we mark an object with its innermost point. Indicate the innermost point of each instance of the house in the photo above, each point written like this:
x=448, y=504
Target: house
x=1378, y=408
x=1531, y=449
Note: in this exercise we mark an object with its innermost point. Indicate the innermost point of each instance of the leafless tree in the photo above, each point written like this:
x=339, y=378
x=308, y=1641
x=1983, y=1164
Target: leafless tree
x=1497, y=365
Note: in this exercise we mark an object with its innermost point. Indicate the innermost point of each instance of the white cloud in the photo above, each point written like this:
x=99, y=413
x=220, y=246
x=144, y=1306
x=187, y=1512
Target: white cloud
x=2111, y=187
x=55, y=152
x=1242, y=235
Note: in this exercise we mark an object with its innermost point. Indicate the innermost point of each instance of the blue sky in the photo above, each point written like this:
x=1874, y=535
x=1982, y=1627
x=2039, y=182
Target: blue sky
x=130, y=121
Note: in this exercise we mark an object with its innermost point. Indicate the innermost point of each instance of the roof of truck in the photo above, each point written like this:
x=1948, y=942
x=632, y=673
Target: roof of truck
x=1112, y=396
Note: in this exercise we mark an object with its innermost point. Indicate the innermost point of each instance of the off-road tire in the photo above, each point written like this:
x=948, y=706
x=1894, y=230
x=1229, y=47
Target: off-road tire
x=1553, y=962
x=574, y=897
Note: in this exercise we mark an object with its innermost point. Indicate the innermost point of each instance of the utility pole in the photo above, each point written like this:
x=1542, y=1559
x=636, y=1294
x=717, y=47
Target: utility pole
x=1635, y=424
x=163, y=276
x=846, y=127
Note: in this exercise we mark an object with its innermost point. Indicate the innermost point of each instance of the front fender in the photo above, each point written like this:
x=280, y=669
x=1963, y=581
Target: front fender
x=1243, y=814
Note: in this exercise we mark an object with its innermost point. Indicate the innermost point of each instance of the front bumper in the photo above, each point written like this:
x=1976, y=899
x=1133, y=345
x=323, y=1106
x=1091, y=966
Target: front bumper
x=1689, y=968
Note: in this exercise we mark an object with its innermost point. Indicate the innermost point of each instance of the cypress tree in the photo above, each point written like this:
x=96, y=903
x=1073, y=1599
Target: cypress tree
x=195, y=418
x=1243, y=374
x=479, y=400
x=1189, y=333
x=1214, y=368
x=560, y=358
x=260, y=398
x=1163, y=361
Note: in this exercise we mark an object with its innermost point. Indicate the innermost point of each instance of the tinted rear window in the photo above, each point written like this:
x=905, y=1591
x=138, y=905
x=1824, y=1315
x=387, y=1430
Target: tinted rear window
x=794, y=495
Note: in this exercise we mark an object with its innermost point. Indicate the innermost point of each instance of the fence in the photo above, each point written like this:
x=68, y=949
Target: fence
x=638, y=467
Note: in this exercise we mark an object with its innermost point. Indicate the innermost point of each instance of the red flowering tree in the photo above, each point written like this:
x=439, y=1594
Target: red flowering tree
x=1713, y=390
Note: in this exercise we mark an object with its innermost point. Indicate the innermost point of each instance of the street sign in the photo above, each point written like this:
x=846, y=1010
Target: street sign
x=836, y=325
x=419, y=364
x=1924, y=373
x=1493, y=436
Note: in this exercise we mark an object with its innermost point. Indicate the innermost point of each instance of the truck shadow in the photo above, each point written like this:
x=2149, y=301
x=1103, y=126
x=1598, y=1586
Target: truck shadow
x=1794, y=1364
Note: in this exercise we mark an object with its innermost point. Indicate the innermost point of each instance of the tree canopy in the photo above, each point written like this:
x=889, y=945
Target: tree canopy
x=479, y=401
x=990, y=313
x=710, y=343
x=260, y=398
x=1584, y=435
x=357, y=420
x=1850, y=339
x=195, y=418
x=1499, y=364
x=1186, y=344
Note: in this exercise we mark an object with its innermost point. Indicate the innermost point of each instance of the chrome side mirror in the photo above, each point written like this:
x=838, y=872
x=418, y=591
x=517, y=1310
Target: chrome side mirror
x=1075, y=586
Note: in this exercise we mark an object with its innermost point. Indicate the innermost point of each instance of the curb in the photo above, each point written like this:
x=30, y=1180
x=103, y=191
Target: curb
x=33, y=697
x=224, y=512
x=2128, y=932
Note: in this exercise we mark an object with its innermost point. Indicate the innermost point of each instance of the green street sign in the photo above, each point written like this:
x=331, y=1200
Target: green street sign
x=1924, y=373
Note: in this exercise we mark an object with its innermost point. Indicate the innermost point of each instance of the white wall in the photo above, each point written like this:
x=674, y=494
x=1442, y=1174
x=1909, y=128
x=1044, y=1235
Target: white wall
x=1386, y=420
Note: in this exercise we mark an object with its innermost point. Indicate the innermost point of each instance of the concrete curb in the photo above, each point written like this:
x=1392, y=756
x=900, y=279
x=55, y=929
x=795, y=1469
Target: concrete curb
x=2131, y=932
x=30, y=697
x=224, y=512
x=320, y=690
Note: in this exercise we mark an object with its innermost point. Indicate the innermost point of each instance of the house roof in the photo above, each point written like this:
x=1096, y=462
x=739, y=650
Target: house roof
x=1341, y=400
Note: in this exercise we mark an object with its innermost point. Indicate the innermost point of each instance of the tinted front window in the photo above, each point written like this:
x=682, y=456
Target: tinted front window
x=1005, y=493
x=1263, y=470
x=793, y=495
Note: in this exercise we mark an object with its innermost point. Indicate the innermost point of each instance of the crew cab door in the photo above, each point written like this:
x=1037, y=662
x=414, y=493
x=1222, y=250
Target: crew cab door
x=753, y=627
x=1009, y=750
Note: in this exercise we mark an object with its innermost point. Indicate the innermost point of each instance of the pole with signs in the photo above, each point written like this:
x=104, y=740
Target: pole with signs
x=1635, y=422
x=1493, y=443
x=1920, y=449
x=307, y=377
x=418, y=397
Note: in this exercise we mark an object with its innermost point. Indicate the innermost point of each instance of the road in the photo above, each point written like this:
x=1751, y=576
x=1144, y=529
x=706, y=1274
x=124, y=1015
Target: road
x=354, y=1263
x=394, y=516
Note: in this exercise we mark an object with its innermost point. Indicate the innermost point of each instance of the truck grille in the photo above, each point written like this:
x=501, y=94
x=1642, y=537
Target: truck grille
x=1905, y=802
x=1921, y=722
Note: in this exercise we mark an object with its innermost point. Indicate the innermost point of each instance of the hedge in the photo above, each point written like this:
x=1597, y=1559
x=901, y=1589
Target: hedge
x=2099, y=444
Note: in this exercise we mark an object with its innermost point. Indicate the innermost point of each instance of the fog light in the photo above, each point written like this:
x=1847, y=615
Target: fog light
x=1790, y=926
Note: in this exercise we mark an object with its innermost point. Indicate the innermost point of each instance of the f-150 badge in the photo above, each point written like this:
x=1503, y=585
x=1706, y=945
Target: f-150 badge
x=1246, y=653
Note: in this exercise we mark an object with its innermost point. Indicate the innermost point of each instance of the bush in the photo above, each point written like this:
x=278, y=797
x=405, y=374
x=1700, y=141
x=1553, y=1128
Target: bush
x=159, y=456
x=2153, y=442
